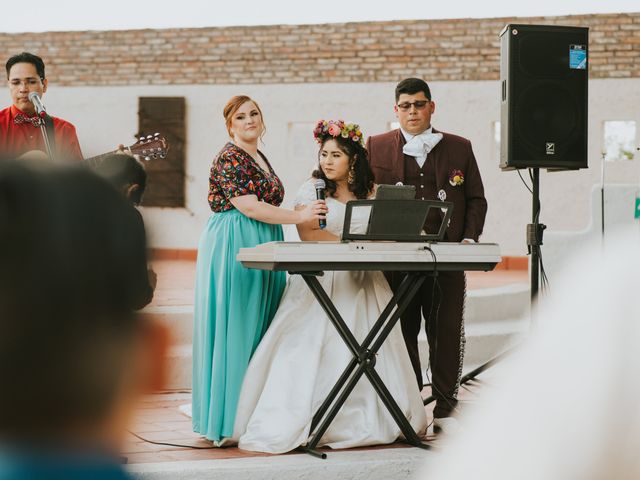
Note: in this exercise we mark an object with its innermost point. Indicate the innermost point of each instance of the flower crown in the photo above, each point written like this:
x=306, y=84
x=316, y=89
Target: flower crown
x=336, y=128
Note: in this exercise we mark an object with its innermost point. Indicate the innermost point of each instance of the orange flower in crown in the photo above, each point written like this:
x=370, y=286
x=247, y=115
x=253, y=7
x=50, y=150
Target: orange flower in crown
x=335, y=128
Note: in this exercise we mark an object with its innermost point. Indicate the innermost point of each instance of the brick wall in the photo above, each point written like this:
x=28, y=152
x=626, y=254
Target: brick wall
x=463, y=49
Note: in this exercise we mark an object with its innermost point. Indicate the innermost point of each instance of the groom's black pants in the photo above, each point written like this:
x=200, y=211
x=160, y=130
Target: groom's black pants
x=442, y=306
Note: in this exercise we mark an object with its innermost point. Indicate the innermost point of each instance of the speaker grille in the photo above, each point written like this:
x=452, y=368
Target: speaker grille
x=547, y=112
x=542, y=55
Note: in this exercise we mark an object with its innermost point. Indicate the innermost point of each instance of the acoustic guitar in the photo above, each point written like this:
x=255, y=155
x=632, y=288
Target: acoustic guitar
x=147, y=148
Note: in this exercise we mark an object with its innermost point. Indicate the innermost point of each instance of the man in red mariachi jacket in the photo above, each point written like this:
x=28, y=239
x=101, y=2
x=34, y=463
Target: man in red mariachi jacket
x=19, y=126
x=442, y=167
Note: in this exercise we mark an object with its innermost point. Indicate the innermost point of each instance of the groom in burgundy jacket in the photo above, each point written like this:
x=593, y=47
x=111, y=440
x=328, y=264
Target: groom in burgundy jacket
x=442, y=167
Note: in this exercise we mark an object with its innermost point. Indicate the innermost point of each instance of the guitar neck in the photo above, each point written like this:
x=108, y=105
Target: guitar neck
x=148, y=148
x=93, y=161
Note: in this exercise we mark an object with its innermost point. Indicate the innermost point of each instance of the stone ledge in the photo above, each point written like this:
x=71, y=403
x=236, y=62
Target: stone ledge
x=378, y=464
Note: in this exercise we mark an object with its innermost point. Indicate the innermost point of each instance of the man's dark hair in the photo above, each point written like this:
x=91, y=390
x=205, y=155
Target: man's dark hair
x=69, y=247
x=26, y=57
x=122, y=171
x=411, y=86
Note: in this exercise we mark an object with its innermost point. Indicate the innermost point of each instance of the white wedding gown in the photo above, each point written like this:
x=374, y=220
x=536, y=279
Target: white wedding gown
x=302, y=356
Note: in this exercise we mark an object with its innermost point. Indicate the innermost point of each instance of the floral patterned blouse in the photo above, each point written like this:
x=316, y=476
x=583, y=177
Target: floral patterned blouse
x=234, y=173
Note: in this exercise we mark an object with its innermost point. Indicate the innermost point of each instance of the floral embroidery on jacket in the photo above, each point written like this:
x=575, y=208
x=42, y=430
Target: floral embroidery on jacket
x=456, y=178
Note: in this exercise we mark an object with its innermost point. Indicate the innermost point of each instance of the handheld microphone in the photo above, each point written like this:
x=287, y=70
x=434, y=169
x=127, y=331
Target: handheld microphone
x=320, y=186
x=37, y=102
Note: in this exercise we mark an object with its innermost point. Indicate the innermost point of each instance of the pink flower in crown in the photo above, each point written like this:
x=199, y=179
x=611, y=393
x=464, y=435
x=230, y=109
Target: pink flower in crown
x=334, y=129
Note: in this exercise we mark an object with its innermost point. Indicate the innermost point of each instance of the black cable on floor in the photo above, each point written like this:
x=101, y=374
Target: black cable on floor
x=194, y=447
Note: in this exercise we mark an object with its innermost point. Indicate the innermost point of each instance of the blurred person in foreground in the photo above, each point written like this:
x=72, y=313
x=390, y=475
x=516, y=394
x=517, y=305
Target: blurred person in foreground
x=74, y=357
x=124, y=172
x=567, y=406
x=129, y=177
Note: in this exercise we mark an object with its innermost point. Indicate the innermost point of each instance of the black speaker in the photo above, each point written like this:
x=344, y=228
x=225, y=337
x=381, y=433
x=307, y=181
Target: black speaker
x=543, y=113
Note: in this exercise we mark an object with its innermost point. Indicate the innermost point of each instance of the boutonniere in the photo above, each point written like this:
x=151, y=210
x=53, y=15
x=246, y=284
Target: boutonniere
x=456, y=178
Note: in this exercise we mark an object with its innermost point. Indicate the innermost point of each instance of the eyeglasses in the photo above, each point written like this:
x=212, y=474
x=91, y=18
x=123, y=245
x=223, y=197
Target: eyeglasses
x=419, y=104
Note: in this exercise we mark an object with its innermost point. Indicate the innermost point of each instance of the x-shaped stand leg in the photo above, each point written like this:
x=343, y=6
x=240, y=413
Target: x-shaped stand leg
x=363, y=361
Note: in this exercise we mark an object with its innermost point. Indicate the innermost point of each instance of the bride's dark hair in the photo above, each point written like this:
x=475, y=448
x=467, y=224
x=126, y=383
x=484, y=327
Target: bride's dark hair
x=359, y=159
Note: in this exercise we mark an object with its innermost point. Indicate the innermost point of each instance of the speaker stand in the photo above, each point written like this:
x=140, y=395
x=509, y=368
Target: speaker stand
x=602, y=192
x=534, y=242
x=534, y=237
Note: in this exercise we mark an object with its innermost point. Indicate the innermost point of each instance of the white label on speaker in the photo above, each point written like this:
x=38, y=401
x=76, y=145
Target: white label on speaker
x=578, y=57
x=551, y=148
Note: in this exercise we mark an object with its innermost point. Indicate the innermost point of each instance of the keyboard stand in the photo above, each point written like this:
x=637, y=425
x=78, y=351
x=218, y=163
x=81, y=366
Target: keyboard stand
x=364, y=359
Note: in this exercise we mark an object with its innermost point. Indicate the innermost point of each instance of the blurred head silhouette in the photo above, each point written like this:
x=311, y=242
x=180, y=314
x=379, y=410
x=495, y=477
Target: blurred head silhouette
x=125, y=173
x=566, y=406
x=73, y=355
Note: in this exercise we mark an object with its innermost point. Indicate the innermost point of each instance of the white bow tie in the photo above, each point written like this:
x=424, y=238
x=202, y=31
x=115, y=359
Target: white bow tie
x=421, y=145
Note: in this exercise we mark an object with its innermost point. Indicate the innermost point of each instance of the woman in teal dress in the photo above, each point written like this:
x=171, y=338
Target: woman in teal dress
x=234, y=305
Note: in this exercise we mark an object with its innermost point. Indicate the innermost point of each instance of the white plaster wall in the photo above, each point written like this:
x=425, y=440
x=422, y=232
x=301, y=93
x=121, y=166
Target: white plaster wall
x=619, y=209
x=106, y=116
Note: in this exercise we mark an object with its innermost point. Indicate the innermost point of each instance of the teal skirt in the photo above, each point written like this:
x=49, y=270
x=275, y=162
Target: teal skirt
x=233, y=308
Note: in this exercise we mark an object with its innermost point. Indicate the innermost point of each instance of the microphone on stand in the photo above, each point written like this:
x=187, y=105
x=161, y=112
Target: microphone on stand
x=320, y=186
x=42, y=113
x=37, y=102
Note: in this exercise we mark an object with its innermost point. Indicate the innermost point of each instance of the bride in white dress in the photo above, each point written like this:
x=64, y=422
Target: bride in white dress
x=302, y=356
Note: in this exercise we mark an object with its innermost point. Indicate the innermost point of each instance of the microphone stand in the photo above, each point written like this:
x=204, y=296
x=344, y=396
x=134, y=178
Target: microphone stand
x=45, y=136
x=44, y=121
